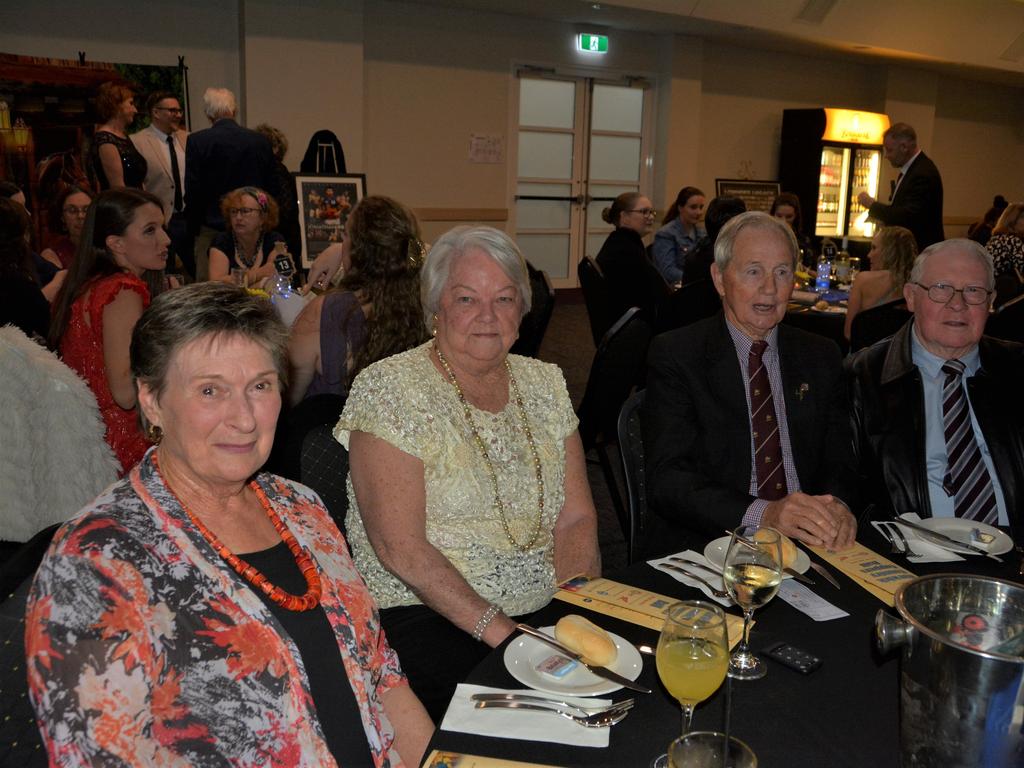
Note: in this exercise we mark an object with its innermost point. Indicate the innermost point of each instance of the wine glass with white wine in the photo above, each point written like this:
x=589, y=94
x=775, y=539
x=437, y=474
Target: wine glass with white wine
x=752, y=574
x=692, y=656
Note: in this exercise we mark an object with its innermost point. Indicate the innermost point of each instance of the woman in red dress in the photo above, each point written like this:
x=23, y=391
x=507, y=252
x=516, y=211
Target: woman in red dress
x=102, y=299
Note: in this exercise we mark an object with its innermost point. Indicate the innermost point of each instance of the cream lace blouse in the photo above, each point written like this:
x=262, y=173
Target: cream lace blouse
x=406, y=401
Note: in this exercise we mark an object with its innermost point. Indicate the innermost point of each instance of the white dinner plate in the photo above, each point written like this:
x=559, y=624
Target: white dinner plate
x=960, y=529
x=715, y=553
x=524, y=654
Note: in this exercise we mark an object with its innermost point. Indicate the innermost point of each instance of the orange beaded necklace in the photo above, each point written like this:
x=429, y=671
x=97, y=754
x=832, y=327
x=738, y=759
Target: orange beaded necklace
x=304, y=561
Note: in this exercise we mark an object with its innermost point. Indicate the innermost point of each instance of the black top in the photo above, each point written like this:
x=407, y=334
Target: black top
x=133, y=164
x=23, y=304
x=633, y=280
x=225, y=242
x=312, y=634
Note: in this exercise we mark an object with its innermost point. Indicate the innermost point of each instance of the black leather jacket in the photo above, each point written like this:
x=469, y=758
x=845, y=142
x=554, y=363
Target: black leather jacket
x=887, y=403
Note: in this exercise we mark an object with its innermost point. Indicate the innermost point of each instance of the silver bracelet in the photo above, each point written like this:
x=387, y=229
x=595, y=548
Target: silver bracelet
x=485, y=619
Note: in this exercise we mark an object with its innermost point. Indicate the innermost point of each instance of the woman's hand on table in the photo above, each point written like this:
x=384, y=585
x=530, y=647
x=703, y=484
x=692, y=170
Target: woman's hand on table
x=820, y=521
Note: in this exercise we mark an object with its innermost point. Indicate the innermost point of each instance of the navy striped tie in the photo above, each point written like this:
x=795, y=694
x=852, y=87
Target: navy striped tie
x=967, y=479
x=770, y=473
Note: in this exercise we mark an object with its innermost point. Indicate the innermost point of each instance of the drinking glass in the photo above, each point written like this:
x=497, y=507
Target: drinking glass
x=710, y=749
x=753, y=571
x=692, y=656
x=240, y=277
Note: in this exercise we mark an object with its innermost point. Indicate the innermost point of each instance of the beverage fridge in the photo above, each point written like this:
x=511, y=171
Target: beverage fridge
x=828, y=157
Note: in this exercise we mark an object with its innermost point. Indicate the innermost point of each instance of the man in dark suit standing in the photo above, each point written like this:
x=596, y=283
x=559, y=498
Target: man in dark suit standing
x=916, y=199
x=218, y=159
x=938, y=428
x=745, y=421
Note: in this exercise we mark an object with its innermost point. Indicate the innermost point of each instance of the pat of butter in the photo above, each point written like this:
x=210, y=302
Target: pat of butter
x=556, y=666
x=980, y=538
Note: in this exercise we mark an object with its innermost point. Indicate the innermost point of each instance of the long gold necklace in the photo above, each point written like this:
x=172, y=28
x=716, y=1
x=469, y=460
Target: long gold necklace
x=487, y=458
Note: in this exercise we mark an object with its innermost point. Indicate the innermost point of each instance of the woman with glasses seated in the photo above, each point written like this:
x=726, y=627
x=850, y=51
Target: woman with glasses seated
x=67, y=216
x=632, y=279
x=250, y=241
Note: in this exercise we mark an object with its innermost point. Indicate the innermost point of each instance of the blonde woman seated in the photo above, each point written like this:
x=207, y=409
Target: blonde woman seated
x=468, y=495
x=892, y=254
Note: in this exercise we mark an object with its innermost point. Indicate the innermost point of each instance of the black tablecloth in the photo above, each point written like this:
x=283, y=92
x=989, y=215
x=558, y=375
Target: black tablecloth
x=844, y=714
x=827, y=324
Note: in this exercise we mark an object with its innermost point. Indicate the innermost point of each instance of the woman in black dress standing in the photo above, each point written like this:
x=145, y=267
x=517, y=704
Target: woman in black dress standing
x=115, y=160
x=633, y=280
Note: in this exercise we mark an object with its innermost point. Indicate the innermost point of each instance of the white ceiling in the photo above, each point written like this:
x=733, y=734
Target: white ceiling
x=982, y=39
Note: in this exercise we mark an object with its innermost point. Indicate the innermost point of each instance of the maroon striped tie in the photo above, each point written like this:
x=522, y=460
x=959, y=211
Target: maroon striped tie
x=771, y=475
x=967, y=479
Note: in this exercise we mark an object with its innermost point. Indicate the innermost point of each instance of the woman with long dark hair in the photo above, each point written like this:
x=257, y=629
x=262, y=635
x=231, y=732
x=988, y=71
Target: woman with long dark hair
x=679, y=234
x=67, y=217
x=376, y=311
x=123, y=240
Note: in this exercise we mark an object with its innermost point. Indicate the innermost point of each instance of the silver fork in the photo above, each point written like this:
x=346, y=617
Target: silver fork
x=601, y=719
x=714, y=590
x=554, y=703
x=903, y=540
x=884, y=528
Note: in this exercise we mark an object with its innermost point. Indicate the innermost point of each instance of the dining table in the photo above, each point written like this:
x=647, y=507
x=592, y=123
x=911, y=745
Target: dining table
x=844, y=713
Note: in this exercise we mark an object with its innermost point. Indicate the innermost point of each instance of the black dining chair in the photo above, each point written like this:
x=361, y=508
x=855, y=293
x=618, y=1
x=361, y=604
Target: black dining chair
x=20, y=742
x=688, y=304
x=1007, y=322
x=877, y=323
x=306, y=451
x=535, y=322
x=618, y=367
x=631, y=451
x=596, y=297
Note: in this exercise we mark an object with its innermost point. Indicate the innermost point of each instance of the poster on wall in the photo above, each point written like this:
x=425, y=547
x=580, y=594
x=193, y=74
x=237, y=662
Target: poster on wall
x=758, y=195
x=325, y=203
x=48, y=117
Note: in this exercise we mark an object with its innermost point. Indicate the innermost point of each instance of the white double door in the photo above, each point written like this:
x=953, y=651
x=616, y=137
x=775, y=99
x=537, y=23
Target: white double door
x=580, y=143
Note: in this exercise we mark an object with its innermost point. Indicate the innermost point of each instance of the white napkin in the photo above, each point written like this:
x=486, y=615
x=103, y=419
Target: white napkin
x=464, y=717
x=689, y=554
x=927, y=552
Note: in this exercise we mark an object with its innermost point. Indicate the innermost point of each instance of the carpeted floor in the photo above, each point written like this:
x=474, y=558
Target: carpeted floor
x=568, y=344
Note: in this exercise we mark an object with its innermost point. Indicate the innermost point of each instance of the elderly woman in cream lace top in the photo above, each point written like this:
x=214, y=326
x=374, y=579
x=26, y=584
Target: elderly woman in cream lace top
x=468, y=494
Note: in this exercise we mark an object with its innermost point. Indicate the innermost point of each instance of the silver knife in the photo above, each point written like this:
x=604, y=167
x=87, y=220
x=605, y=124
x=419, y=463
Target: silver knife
x=821, y=569
x=943, y=539
x=604, y=672
x=795, y=574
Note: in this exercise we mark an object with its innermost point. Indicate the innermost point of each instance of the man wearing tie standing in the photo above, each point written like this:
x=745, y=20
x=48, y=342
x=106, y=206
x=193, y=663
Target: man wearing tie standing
x=163, y=146
x=916, y=198
x=939, y=427
x=745, y=421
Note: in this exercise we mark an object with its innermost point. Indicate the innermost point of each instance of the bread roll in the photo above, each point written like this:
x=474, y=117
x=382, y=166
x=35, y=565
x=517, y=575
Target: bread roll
x=587, y=639
x=789, y=550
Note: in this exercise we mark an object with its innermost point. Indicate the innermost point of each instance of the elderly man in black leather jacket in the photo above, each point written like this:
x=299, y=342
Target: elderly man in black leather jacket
x=899, y=424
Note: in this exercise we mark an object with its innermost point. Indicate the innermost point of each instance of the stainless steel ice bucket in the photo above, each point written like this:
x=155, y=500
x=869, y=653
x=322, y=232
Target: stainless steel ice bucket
x=962, y=671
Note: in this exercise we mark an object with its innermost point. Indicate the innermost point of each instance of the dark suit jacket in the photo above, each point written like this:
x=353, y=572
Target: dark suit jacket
x=917, y=204
x=696, y=428
x=219, y=159
x=888, y=411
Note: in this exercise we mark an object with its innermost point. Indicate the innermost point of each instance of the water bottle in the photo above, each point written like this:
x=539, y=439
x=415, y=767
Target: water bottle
x=823, y=280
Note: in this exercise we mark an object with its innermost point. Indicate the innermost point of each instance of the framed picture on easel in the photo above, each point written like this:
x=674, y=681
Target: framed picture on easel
x=324, y=205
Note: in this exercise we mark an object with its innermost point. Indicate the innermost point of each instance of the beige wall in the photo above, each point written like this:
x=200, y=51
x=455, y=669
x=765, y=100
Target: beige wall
x=303, y=71
x=404, y=85
x=141, y=32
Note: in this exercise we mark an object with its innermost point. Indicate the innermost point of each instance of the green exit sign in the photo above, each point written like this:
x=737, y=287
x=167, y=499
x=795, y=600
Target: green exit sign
x=592, y=43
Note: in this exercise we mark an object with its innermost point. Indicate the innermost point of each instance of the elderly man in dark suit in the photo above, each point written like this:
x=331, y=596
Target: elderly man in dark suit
x=938, y=424
x=218, y=159
x=916, y=199
x=746, y=421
